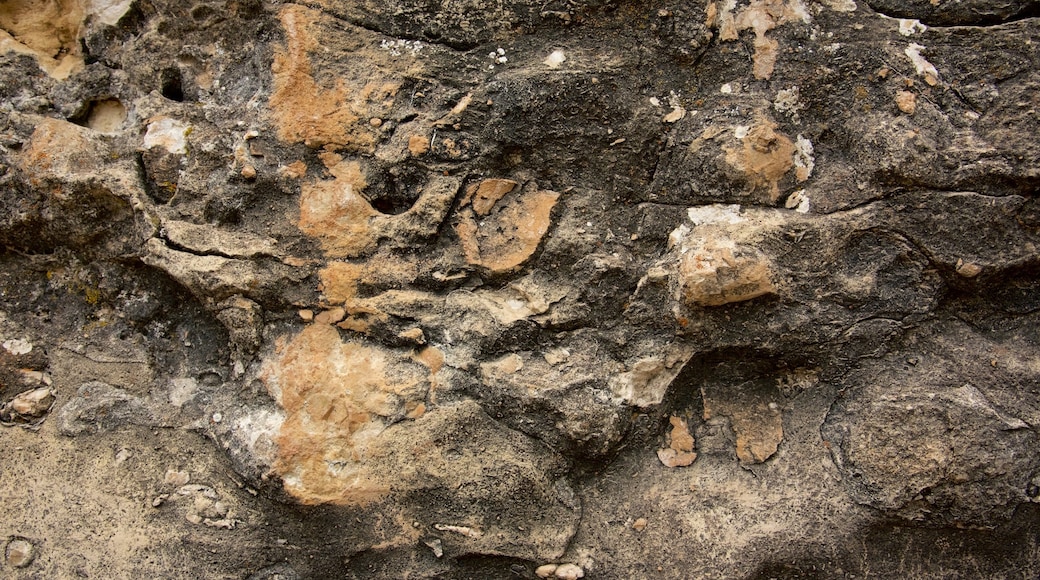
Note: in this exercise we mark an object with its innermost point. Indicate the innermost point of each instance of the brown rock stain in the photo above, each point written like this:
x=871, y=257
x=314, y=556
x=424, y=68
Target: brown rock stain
x=764, y=155
x=305, y=112
x=512, y=226
x=338, y=397
x=761, y=16
x=335, y=212
x=754, y=416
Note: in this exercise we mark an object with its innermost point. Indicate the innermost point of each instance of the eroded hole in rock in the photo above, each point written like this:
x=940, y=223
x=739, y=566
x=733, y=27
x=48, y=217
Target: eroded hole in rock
x=172, y=85
x=104, y=116
x=398, y=191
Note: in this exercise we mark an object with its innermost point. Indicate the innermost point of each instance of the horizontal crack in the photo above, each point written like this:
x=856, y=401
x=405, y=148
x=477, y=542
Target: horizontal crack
x=371, y=28
x=933, y=21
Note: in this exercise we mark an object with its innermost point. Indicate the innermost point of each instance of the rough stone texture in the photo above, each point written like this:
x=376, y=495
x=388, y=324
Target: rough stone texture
x=489, y=289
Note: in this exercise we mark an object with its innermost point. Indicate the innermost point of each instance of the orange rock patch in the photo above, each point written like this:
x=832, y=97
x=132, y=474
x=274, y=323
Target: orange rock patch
x=764, y=156
x=335, y=212
x=306, y=112
x=679, y=452
x=716, y=272
x=754, y=416
x=338, y=398
x=502, y=225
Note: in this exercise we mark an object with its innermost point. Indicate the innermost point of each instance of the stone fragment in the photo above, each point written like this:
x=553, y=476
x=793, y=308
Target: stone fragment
x=168, y=134
x=17, y=346
x=924, y=68
x=330, y=316
x=753, y=413
x=968, y=269
x=338, y=215
x=484, y=195
x=176, y=478
x=545, y=570
x=569, y=572
x=49, y=31
x=763, y=156
x=906, y=101
x=337, y=397
x=639, y=525
x=20, y=553
x=99, y=407
x=512, y=229
x=27, y=406
x=716, y=271
x=310, y=112
x=207, y=239
x=216, y=277
x=679, y=452
x=418, y=145
x=761, y=16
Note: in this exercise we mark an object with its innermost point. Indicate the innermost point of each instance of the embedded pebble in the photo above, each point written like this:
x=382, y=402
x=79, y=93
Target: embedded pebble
x=122, y=455
x=545, y=571
x=20, y=553
x=569, y=572
x=28, y=405
x=18, y=346
x=435, y=545
x=639, y=525
x=177, y=478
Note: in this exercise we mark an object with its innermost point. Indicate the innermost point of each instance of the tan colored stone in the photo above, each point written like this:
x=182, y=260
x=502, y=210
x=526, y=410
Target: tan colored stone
x=294, y=170
x=418, y=145
x=49, y=30
x=330, y=316
x=761, y=16
x=714, y=272
x=306, y=112
x=906, y=101
x=336, y=213
x=486, y=194
x=679, y=452
x=207, y=239
x=337, y=396
x=754, y=415
x=764, y=155
x=510, y=234
x=968, y=269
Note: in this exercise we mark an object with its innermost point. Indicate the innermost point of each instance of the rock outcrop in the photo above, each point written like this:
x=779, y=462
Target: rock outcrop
x=585, y=289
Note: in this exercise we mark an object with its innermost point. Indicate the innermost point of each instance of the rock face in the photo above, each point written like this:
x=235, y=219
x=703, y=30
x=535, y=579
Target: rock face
x=587, y=289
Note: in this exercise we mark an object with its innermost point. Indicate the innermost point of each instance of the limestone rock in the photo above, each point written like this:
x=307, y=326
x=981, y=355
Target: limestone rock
x=419, y=289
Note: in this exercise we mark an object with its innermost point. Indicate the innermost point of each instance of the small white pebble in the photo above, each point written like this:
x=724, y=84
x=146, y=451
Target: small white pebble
x=555, y=59
x=726, y=89
x=501, y=51
x=217, y=417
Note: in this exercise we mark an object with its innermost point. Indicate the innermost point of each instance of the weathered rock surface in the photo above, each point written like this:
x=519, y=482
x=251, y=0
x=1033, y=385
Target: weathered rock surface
x=600, y=289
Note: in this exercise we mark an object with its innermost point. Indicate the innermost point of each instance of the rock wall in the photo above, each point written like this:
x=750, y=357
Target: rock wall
x=501, y=288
